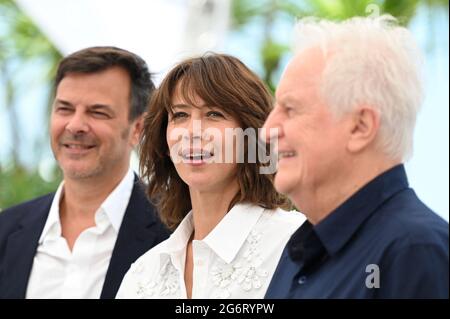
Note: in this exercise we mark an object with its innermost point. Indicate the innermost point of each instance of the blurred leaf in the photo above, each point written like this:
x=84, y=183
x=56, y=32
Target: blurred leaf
x=403, y=10
x=242, y=11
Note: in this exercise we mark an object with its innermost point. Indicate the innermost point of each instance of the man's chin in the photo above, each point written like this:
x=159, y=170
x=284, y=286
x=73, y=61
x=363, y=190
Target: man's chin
x=283, y=185
x=80, y=174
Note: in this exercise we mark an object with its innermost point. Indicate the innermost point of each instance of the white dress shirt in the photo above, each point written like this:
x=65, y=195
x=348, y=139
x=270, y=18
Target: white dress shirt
x=58, y=272
x=236, y=259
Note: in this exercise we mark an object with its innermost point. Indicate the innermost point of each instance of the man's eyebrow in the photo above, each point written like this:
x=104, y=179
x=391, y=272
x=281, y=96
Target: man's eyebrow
x=97, y=106
x=290, y=100
x=63, y=102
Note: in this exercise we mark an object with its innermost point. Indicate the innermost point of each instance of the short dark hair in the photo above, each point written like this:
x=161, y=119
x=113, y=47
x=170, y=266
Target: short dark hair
x=96, y=59
x=222, y=81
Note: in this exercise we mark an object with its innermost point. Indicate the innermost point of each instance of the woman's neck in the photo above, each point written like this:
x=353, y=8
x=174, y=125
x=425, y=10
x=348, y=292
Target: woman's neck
x=209, y=207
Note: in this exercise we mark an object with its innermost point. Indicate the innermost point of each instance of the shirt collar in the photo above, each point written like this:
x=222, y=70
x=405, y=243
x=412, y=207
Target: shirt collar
x=178, y=240
x=305, y=247
x=174, y=248
x=114, y=207
x=239, y=221
x=53, y=222
x=116, y=203
x=338, y=227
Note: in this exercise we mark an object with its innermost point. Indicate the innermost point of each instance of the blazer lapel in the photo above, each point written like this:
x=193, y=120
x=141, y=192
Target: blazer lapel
x=21, y=249
x=140, y=231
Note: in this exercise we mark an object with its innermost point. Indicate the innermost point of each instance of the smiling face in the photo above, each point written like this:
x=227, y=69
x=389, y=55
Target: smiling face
x=311, y=140
x=91, y=135
x=194, y=153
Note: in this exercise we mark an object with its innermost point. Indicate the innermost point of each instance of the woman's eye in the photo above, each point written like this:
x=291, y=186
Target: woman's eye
x=214, y=114
x=179, y=115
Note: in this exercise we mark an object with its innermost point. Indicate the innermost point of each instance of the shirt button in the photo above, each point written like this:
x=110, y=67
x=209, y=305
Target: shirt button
x=302, y=280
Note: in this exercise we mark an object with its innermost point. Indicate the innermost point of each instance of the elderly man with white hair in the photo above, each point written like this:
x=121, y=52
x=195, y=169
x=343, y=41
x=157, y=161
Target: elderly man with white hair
x=344, y=117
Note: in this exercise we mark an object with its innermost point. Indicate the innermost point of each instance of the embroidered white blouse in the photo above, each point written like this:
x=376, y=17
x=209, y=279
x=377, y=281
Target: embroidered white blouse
x=236, y=260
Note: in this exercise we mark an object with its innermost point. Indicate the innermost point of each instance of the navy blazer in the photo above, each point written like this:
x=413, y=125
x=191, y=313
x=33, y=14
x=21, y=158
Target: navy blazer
x=21, y=227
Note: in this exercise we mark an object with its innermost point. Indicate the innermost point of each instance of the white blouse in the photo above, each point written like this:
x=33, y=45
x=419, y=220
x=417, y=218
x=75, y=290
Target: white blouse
x=236, y=260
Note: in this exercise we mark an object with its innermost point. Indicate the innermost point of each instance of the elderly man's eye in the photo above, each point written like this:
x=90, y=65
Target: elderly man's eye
x=289, y=111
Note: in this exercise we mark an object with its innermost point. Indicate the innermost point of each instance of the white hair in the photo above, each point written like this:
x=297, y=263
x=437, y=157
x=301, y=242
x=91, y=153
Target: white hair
x=374, y=62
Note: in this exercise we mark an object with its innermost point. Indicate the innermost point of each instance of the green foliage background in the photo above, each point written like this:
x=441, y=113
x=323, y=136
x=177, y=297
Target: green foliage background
x=22, y=44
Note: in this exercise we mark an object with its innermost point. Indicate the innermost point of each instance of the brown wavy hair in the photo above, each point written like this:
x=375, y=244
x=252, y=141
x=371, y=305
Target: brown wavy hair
x=222, y=81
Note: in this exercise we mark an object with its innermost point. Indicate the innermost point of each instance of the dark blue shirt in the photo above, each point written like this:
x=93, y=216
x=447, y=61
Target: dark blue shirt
x=383, y=242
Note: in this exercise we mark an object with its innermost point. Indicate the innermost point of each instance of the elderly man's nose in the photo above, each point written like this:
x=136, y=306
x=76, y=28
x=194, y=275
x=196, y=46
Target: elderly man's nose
x=272, y=126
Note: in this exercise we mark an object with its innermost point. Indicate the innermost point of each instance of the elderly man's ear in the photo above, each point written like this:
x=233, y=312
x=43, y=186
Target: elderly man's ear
x=364, y=128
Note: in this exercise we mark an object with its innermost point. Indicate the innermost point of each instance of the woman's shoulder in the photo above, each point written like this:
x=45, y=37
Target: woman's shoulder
x=278, y=223
x=145, y=267
x=284, y=217
x=153, y=255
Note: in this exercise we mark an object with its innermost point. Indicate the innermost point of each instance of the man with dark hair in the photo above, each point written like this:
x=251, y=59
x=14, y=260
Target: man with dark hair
x=80, y=241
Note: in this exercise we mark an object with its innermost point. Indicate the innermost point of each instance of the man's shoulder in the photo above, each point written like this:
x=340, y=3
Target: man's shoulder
x=140, y=212
x=17, y=211
x=13, y=217
x=408, y=220
x=139, y=206
x=138, y=194
x=415, y=250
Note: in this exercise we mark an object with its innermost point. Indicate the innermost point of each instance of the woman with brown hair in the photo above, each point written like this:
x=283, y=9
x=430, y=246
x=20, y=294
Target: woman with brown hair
x=205, y=177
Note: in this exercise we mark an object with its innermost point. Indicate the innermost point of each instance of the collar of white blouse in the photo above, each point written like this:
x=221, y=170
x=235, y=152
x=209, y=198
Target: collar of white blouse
x=239, y=222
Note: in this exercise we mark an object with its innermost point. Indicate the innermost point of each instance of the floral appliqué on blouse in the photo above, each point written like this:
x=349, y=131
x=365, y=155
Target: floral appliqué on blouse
x=165, y=284
x=245, y=271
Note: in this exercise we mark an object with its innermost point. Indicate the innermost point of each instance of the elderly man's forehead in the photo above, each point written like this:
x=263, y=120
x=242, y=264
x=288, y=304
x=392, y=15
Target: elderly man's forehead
x=304, y=70
x=311, y=59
